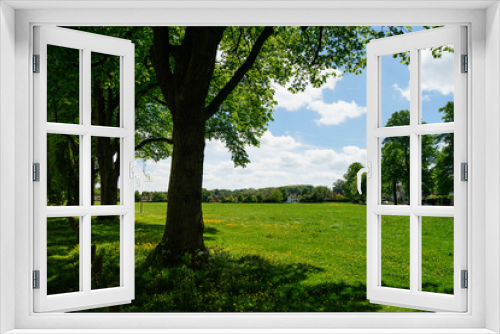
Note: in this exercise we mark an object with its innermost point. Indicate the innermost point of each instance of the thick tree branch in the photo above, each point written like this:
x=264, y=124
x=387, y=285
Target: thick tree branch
x=146, y=90
x=213, y=107
x=316, y=54
x=160, y=58
x=160, y=101
x=152, y=140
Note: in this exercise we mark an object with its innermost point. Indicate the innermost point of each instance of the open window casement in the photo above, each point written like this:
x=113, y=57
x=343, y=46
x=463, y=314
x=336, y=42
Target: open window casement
x=415, y=210
x=63, y=127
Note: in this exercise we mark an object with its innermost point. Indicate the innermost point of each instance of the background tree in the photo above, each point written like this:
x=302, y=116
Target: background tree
x=338, y=187
x=396, y=159
x=259, y=197
x=153, y=123
x=217, y=83
x=250, y=199
x=276, y=196
x=241, y=199
x=443, y=169
x=351, y=185
x=320, y=193
x=205, y=195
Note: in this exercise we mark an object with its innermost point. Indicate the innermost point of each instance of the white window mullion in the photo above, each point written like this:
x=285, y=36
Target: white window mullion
x=40, y=156
x=460, y=156
x=372, y=196
x=86, y=173
x=127, y=103
x=414, y=171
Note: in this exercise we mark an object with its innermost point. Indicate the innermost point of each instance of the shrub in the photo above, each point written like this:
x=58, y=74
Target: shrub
x=159, y=197
x=250, y=199
x=276, y=196
x=339, y=197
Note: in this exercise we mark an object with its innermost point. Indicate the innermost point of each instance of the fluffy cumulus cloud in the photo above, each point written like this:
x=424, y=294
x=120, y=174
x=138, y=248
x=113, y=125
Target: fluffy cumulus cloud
x=337, y=112
x=280, y=160
x=313, y=99
x=436, y=75
x=293, y=102
x=405, y=92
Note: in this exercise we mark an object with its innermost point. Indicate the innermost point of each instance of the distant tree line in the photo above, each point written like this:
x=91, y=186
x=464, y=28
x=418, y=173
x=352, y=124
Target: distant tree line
x=297, y=193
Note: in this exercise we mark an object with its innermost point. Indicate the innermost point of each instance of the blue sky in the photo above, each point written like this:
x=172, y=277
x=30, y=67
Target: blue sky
x=318, y=133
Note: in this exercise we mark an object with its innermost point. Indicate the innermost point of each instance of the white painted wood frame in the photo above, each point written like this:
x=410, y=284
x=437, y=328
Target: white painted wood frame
x=415, y=297
x=86, y=43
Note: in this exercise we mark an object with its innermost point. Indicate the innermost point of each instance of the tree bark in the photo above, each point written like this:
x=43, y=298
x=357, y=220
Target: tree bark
x=184, y=226
x=394, y=190
x=108, y=170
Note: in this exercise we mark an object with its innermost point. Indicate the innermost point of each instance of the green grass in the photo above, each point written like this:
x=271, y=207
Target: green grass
x=272, y=258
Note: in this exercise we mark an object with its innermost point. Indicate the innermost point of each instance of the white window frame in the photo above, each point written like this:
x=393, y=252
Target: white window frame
x=414, y=297
x=483, y=21
x=85, y=43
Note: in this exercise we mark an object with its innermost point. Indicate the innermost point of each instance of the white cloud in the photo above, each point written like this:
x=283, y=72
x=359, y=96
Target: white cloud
x=313, y=99
x=405, y=93
x=337, y=112
x=293, y=102
x=281, y=160
x=436, y=75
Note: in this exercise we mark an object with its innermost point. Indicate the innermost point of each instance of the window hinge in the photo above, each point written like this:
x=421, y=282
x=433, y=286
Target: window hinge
x=464, y=172
x=465, y=64
x=36, y=172
x=36, y=63
x=36, y=279
x=465, y=279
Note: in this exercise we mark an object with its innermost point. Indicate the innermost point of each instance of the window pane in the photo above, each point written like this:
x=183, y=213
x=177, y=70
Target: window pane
x=437, y=254
x=395, y=92
x=105, y=90
x=105, y=171
x=437, y=84
x=63, y=255
x=395, y=170
x=105, y=254
x=437, y=169
x=63, y=95
x=396, y=252
x=63, y=167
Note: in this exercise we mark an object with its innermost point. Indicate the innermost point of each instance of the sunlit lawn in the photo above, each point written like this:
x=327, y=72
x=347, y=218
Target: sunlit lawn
x=274, y=258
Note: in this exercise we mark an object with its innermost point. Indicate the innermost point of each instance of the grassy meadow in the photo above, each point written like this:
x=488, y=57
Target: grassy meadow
x=264, y=258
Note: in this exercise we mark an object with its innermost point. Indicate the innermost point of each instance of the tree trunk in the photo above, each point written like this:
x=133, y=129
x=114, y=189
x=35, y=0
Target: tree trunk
x=109, y=171
x=185, y=88
x=184, y=227
x=394, y=191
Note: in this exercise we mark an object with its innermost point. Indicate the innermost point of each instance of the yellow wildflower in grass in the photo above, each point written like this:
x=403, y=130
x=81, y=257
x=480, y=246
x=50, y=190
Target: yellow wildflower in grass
x=212, y=221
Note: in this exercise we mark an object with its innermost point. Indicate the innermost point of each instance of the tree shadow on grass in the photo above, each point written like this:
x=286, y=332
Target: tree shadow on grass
x=243, y=284
x=228, y=283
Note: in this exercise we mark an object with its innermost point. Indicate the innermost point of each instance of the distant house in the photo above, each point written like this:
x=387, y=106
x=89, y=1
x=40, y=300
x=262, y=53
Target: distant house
x=292, y=199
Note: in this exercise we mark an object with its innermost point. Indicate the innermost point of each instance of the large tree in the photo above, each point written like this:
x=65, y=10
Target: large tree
x=217, y=83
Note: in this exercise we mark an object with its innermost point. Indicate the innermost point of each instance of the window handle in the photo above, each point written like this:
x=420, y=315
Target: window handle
x=368, y=171
x=133, y=170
